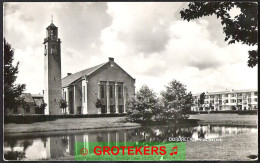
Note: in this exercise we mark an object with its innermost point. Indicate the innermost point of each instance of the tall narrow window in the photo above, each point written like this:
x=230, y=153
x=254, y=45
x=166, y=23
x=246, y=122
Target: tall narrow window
x=65, y=96
x=84, y=93
x=111, y=91
x=102, y=91
x=119, y=91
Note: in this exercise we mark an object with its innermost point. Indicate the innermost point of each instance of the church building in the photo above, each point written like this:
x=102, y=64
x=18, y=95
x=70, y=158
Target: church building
x=107, y=83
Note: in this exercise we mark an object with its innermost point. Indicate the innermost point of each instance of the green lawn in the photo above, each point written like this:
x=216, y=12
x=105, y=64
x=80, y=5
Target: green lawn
x=226, y=119
x=68, y=124
x=236, y=147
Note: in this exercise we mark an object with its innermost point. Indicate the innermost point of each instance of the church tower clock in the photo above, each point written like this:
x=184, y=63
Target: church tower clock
x=52, y=71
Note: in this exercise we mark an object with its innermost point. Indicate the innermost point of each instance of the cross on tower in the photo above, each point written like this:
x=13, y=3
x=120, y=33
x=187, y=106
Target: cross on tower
x=51, y=18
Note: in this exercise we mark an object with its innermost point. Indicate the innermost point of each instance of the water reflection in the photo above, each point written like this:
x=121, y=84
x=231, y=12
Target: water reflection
x=29, y=147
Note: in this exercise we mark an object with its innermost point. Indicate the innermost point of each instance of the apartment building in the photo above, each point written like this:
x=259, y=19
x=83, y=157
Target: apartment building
x=227, y=100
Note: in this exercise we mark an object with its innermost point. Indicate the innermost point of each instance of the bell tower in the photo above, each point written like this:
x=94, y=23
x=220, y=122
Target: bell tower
x=52, y=71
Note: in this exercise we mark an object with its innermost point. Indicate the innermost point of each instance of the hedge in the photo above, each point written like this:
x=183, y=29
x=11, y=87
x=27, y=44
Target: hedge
x=25, y=119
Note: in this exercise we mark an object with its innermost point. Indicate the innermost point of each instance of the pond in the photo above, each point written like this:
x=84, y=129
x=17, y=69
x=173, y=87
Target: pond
x=55, y=145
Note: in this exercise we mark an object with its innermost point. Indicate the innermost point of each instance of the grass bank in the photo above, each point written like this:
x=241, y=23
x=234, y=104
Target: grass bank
x=226, y=119
x=236, y=147
x=69, y=124
x=28, y=119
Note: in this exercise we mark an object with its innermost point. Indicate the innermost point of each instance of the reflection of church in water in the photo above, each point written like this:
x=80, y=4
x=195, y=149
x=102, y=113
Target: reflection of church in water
x=65, y=145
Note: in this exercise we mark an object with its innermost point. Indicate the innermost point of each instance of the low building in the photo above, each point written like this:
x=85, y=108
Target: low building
x=107, y=82
x=227, y=100
x=31, y=107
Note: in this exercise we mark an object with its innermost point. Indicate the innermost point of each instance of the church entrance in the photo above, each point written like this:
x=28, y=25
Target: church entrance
x=103, y=109
x=112, y=109
x=121, y=108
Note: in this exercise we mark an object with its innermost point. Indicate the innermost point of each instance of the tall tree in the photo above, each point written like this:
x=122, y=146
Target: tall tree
x=241, y=28
x=12, y=91
x=144, y=107
x=176, y=101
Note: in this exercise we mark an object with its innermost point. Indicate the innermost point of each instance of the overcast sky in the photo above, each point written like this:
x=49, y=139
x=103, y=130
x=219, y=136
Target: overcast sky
x=148, y=40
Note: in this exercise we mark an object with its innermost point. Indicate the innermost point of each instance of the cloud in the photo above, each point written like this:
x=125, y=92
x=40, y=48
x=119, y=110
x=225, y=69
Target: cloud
x=143, y=27
x=215, y=30
x=149, y=40
x=79, y=26
x=193, y=52
x=10, y=8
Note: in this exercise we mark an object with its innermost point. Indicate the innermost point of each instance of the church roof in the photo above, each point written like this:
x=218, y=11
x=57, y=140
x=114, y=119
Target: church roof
x=87, y=72
x=73, y=77
x=51, y=25
x=37, y=95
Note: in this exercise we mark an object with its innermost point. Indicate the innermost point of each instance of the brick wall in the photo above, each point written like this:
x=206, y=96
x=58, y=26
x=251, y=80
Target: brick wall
x=108, y=73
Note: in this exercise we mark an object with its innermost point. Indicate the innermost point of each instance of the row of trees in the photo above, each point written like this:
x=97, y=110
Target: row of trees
x=12, y=91
x=173, y=105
